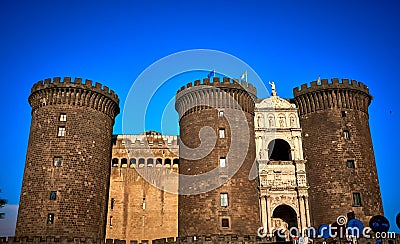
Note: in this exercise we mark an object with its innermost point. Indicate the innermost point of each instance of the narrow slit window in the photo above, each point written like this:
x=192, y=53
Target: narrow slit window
x=346, y=134
x=343, y=114
x=222, y=162
x=221, y=133
x=350, y=164
x=53, y=195
x=63, y=117
x=356, y=199
x=50, y=218
x=112, y=203
x=57, y=161
x=224, y=199
x=61, y=131
x=225, y=223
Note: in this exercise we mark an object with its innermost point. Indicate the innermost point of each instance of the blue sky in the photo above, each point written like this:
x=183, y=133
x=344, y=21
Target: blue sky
x=113, y=42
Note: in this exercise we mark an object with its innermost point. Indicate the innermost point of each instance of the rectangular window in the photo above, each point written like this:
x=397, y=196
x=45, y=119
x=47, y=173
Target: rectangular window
x=221, y=114
x=356, y=199
x=112, y=203
x=61, y=131
x=50, y=218
x=222, y=162
x=63, y=117
x=343, y=114
x=350, y=164
x=53, y=195
x=346, y=134
x=222, y=133
x=224, y=199
x=111, y=221
x=57, y=161
x=225, y=223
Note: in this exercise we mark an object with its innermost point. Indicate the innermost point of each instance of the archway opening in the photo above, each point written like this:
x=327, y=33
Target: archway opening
x=285, y=216
x=279, y=150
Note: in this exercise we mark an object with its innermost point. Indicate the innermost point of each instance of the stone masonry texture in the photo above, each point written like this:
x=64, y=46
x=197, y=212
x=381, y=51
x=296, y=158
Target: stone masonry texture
x=81, y=181
x=327, y=111
x=335, y=129
x=202, y=214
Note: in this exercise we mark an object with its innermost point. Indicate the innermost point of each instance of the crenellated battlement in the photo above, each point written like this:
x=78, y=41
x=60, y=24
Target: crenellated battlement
x=334, y=83
x=76, y=83
x=144, y=141
x=77, y=93
x=344, y=94
x=217, y=82
x=228, y=93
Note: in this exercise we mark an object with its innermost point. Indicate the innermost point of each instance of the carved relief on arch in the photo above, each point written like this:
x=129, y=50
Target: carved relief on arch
x=271, y=120
x=260, y=121
x=289, y=200
x=282, y=120
x=292, y=120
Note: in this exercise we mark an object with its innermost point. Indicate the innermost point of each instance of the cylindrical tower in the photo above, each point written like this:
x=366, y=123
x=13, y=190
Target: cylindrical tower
x=66, y=178
x=337, y=144
x=217, y=152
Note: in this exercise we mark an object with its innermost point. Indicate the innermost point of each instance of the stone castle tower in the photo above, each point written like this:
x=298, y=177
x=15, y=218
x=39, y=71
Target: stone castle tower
x=216, y=156
x=67, y=171
x=70, y=176
x=337, y=142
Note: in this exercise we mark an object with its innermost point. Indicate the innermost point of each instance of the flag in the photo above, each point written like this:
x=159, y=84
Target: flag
x=211, y=74
x=319, y=79
x=244, y=76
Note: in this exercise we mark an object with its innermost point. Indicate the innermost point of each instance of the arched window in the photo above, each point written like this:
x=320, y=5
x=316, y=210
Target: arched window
x=346, y=134
x=150, y=162
x=167, y=162
x=132, y=162
x=176, y=162
x=114, y=162
x=141, y=162
x=124, y=163
x=158, y=162
x=279, y=150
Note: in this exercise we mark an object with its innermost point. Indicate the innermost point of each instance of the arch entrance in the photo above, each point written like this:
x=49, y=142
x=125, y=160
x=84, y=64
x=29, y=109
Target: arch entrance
x=284, y=217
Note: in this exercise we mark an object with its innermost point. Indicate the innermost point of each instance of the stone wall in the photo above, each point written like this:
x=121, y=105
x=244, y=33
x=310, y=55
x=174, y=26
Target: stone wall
x=204, y=110
x=143, y=204
x=66, y=177
x=334, y=119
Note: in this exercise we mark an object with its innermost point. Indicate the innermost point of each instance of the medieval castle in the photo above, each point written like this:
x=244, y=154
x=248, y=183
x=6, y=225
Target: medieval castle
x=243, y=163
